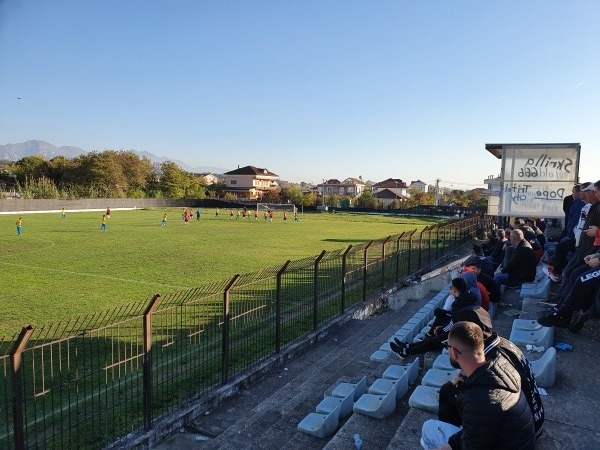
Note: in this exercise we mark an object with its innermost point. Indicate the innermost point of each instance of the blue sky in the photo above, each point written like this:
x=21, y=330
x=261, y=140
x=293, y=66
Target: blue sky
x=308, y=89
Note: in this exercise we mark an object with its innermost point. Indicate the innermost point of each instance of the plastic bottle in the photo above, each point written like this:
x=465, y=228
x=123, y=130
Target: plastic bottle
x=357, y=442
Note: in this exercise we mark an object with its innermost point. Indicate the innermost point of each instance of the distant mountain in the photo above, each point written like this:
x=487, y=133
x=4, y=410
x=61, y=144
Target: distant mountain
x=15, y=152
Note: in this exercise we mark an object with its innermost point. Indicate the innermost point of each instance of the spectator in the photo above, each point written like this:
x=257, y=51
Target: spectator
x=497, y=254
x=494, y=346
x=486, y=262
x=493, y=410
x=486, y=282
x=521, y=266
x=462, y=299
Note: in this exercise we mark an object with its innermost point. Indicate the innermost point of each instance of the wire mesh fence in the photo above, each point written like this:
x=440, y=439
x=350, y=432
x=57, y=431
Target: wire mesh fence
x=91, y=381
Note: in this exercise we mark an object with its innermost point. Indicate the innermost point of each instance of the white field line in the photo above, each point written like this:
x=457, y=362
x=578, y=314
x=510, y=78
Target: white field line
x=95, y=275
x=58, y=211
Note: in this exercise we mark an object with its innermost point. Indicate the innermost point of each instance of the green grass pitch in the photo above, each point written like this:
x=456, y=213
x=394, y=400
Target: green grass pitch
x=62, y=268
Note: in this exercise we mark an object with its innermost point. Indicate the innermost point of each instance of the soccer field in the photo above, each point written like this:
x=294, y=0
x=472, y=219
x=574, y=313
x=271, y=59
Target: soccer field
x=62, y=268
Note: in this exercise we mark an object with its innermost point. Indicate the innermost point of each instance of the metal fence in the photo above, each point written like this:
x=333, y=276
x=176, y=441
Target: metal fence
x=89, y=382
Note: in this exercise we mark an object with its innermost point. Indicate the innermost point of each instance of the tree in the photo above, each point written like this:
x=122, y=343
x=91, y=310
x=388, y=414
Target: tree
x=333, y=201
x=366, y=199
x=292, y=193
x=172, y=180
x=32, y=167
x=309, y=199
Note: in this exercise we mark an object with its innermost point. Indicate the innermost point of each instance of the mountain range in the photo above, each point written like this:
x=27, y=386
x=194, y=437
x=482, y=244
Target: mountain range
x=15, y=152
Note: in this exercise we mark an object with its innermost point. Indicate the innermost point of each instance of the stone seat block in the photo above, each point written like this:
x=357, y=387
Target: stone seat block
x=382, y=386
x=540, y=289
x=442, y=362
x=378, y=406
x=320, y=425
x=379, y=356
x=386, y=347
x=437, y=378
x=544, y=369
x=357, y=389
x=540, y=338
x=526, y=324
x=426, y=398
x=328, y=404
x=411, y=371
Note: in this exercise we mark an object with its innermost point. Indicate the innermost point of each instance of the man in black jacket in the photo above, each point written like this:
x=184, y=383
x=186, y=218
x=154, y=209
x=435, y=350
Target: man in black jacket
x=521, y=266
x=493, y=409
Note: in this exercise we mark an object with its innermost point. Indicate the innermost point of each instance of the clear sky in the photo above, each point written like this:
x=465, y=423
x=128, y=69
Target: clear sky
x=309, y=89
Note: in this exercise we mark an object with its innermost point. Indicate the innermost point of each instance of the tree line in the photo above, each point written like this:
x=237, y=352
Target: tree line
x=106, y=174
x=124, y=174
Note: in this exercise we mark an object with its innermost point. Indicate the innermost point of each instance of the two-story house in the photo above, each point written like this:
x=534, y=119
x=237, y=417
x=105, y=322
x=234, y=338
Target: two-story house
x=419, y=186
x=350, y=187
x=250, y=182
x=392, y=189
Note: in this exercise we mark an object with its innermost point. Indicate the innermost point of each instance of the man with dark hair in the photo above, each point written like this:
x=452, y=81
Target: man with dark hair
x=497, y=254
x=493, y=409
x=486, y=262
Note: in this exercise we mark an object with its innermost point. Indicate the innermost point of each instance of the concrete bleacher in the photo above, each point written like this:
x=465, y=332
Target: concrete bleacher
x=266, y=414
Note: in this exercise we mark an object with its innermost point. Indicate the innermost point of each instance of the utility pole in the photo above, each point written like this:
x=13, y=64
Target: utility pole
x=437, y=192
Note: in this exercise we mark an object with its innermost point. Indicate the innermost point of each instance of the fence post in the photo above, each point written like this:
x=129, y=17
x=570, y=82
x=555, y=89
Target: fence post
x=365, y=271
x=225, y=331
x=383, y=260
x=147, y=367
x=17, y=386
x=344, y=278
x=278, y=308
x=421, y=247
x=410, y=237
x=437, y=242
x=398, y=254
x=316, y=290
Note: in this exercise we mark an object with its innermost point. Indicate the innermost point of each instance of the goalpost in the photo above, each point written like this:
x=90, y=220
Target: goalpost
x=289, y=207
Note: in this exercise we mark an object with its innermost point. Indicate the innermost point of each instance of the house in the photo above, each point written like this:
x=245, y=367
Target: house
x=394, y=185
x=250, y=182
x=387, y=196
x=350, y=187
x=210, y=178
x=419, y=186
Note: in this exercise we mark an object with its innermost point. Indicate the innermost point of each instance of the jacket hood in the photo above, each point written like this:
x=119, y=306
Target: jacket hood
x=471, y=280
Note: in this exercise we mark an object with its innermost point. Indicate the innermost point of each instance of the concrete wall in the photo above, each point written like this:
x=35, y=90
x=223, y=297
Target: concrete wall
x=21, y=205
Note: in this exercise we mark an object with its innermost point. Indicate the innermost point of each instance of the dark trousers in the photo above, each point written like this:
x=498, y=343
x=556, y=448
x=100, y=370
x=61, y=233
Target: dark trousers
x=427, y=345
x=586, y=282
x=561, y=254
x=448, y=412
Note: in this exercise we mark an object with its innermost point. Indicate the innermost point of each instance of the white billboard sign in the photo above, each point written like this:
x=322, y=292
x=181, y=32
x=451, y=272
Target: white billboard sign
x=537, y=178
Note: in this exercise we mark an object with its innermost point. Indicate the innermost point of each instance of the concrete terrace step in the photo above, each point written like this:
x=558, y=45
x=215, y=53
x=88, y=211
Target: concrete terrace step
x=266, y=414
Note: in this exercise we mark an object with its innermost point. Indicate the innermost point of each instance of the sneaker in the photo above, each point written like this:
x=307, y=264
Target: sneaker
x=577, y=321
x=399, y=350
x=552, y=274
x=548, y=321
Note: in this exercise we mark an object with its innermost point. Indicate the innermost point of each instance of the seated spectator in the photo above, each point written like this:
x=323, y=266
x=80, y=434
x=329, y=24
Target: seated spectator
x=497, y=254
x=494, y=346
x=552, y=231
x=583, y=284
x=486, y=261
x=521, y=266
x=494, y=412
x=539, y=234
x=462, y=299
x=486, y=283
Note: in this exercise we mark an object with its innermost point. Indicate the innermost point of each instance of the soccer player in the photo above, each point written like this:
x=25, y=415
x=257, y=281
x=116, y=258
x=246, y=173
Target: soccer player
x=164, y=221
x=237, y=217
x=198, y=215
x=231, y=214
x=103, y=226
x=186, y=217
x=63, y=213
x=266, y=216
x=296, y=217
x=108, y=212
x=19, y=226
x=285, y=217
x=271, y=216
x=217, y=213
x=255, y=215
